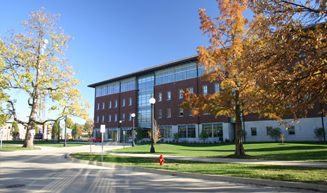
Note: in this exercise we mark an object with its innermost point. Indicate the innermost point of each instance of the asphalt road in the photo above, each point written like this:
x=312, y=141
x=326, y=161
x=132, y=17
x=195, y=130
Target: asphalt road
x=49, y=171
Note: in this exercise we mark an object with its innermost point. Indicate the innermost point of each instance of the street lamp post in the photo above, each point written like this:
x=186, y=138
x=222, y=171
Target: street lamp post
x=133, y=117
x=152, y=101
x=120, y=121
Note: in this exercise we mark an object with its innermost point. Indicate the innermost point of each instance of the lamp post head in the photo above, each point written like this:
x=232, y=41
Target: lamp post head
x=133, y=115
x=152, y=101
x=120, y=121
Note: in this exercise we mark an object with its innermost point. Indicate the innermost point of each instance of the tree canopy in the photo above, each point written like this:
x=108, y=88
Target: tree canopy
x=33, y=62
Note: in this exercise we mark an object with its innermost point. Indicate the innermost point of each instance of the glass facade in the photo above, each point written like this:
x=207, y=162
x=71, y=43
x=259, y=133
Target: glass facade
x=213, y=130
x=127, y=85
x=185, y=72
x=165, y=77
x=145, y=86
x=186, y=131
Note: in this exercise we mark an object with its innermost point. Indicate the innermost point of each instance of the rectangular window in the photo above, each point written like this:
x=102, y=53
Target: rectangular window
x=109, y=104
x=98, y=106
x=116, y=103
x=253, y=131
x=207, y=128
x=109, y=118
x=97, y=119
x=191, y=91
x=217, y=130
x=291, y=130
x=130, y=116
x=181, y=93
x=182, y=131
x=102, y=118
x=168, y=95
x=123, y=102
x=159, y=97
x=269, y=129
x=168, y=113
x=205, y=89
x=160, y=114
x=116, y=118
x=123, y=116
x=191, y=131
x=103, y=105
x=217, y=89
x=181, y=112
x=130, y=101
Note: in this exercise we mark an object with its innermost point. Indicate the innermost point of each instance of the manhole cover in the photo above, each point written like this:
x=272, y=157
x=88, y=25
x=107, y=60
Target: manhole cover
x=15, y=186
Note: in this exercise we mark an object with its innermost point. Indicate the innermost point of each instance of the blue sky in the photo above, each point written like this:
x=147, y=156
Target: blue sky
x=112, y=38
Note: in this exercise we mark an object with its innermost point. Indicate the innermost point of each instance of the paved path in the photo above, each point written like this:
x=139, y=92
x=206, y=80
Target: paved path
x=48, y=171
x=228, y=160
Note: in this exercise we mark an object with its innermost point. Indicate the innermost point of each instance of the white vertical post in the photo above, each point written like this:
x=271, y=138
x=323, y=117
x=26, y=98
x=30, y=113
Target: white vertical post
x=102, y=130
x=32, y=134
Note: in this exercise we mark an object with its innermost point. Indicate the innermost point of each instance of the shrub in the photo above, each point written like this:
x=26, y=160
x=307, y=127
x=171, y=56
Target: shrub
x=319, y=133
x=204, y=135
x=139, y=135
x=244, y=134
x=274, y=133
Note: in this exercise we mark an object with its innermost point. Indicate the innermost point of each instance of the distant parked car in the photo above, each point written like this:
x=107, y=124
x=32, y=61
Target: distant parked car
x=95, y=139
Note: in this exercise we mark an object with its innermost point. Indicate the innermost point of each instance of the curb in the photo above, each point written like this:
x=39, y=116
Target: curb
x=207, y=176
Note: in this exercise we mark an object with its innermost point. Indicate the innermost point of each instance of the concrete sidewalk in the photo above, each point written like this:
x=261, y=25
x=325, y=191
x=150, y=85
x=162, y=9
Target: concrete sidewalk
x=229, y=160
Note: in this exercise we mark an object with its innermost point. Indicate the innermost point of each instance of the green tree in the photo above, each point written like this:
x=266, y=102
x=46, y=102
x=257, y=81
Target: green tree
x=55, y=128
x=88, y=126
x=204, y=135
x=139, y=135
x=176, y=137
x=36, y=128
x=14, y=130
x=274, y=133
x=33, y=62
x=75, y=131
x=319, y=133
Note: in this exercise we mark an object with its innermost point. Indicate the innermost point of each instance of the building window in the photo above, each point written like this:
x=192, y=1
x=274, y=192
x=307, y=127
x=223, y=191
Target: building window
x=123, y=116
x=190, y=112
x=116, y=118
x=190, y=131
x=291, y=130
x=182, y=131
x=181, y=112
x=166, y=131
x=103, y=105
x=160, y=114
x=130, y=117
x=97, y=119
x=205, y=89
x=213, y=130
x=130, y=101
x=123, y=102
x=164, y=77
x=181, y=93
x=116, y=103
x=168, y=113
x=109, y=118
x=102, y=118
x=127, y=85
x=168, y=95
x=185, y=72
x=217, y=88
x=191, y=91
x=109, y=104
x=159, y=97
x=268, y=130
x=98, y=106
x=253, y=131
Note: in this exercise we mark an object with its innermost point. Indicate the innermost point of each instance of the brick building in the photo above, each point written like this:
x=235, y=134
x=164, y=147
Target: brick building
x=117, y=98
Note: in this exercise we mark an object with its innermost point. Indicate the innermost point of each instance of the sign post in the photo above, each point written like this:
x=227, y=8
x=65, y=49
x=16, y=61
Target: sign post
x=32, y=135
x=102, y=130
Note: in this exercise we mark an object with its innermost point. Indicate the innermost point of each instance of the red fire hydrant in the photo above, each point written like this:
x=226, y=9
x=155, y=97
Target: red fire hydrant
x=161, y=160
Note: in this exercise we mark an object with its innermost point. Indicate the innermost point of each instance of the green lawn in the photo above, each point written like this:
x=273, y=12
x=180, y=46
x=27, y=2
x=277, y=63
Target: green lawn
x=267, y=151
x=47, y=143
x=294, y=174
x=16, y=148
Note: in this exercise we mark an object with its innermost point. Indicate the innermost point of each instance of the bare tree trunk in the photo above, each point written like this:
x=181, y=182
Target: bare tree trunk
x=239, y=150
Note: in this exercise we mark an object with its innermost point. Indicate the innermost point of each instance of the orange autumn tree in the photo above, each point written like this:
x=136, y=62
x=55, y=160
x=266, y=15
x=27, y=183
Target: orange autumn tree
x=223, y=61
x=289, y=59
